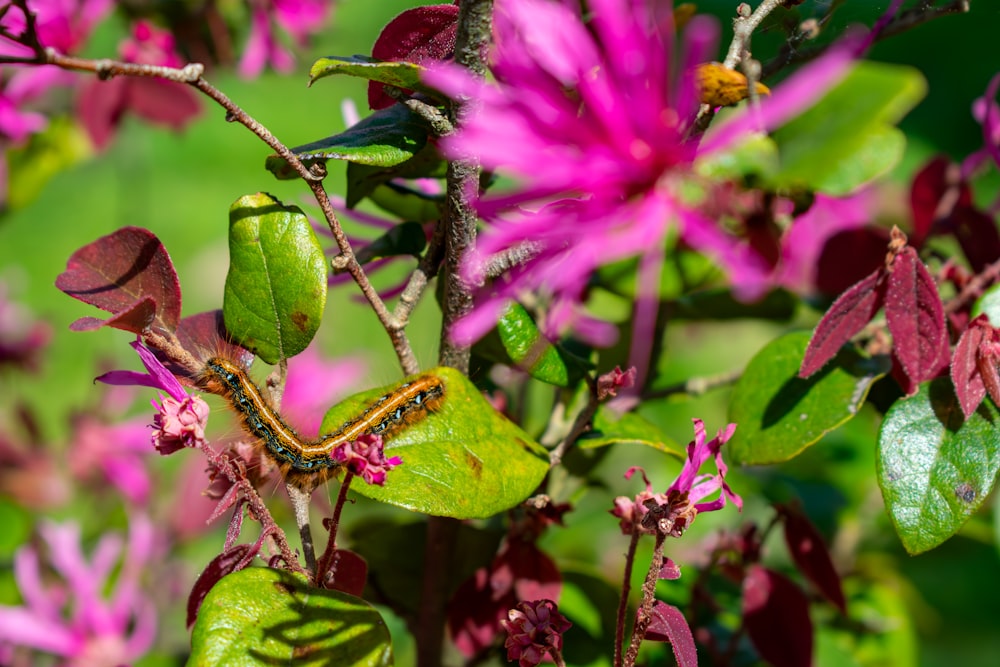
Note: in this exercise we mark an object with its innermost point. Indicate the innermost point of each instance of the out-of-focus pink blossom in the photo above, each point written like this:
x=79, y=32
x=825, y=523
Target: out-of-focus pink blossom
x=593, y=118
x=22, y=336
x=672, y=512
x=84, y=619
x=299, y=18
x=103, y=105
x=313, y=385
x=116, y=451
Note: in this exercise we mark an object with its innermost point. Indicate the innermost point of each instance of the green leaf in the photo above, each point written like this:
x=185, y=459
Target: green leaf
x=530, y=351
x=756, y=155
x=988, y=303
x=399, y=74
x=465, y=460
x=935, y=469
x=778, y=414
x=363, y=179
x=60, y=146
x=261, y=616
x=610, y=428
x=386, y=138
x=404, y=203
x=407, y=238
x=276, y=287
x=847, y=138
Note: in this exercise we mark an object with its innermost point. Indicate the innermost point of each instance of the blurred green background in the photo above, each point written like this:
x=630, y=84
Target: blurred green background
x=180, y=186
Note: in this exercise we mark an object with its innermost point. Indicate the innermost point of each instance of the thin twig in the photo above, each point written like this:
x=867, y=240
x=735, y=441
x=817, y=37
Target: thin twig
x=580, y=425
x=426, y=270
x=645, y=616
x=623, y=600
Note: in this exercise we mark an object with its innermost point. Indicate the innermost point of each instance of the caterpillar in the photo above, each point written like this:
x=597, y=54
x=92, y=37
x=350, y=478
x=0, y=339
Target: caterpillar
x=307, y=463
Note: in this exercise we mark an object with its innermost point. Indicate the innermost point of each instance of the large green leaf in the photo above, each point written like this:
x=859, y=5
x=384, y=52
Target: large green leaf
x=465, y=460
x=399, y=74
x=935, y=469
x=847, y=138
x=529, y=350
x=276, y=287
x=265, y=617
x=611, y=428
x=386, y=138
x=778, y=414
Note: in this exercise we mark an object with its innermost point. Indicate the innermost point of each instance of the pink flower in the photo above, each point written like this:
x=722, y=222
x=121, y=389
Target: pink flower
x=672, y=512
x=534, y=629
x=180, y=418
x=116, y=452
x=83, y=619
x=594, y=118
x=299, y=18
x=366, y=457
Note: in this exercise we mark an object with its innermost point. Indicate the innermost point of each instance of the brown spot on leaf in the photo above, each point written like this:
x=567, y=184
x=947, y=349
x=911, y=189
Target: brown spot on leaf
x=300, y=320
x=474, y=464
x=965, y=492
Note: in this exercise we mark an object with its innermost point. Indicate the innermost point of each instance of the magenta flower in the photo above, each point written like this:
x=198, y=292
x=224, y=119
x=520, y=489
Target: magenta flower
x=366, y=457
x=534, y=630
x=180, y=418
x=299, y=18
x=116, y=452
x=84, y=619
x=593, y=119
x=672, y=512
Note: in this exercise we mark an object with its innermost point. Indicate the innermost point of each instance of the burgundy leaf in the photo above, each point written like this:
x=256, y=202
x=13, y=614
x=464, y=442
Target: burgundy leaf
x=991, y=380
x=776, y=617
x=100, y=107
x=915, y=317
x=669, y=625
x=351, y=573
x=418, y=35
x=118, y=271
x=204, y=335
x=669, y=569
x=235, y=558
x=965, y=375
x=847, y=316
x=977, y=234
x=173, y=105
x=810, y=554
x=135, y=318
x=930, y=185
x=848, y=256
x=475, y=612
x=527, y=570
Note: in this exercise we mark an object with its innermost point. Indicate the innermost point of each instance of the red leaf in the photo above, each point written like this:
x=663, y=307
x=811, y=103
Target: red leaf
x=915, y=316
x=418, y=35
x=977, y=234
x=136, y=318
x=965, y=375
x=848, y=256
x=776, y=617
x=204, y=335
x=847, y=316
x=930, y=185
x=669, y=625
x=163, y=102
x=100, y=107
x=810, y=554
x=120, y=271
x=475, y=612
x=527, y=570
x=351, y=573
x=231, y=560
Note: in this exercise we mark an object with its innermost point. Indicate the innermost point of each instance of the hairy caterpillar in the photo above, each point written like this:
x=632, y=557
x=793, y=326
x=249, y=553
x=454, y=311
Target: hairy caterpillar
x=307, y=463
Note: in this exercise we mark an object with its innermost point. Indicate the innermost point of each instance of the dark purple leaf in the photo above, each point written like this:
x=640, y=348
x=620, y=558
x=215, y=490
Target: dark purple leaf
x=235, y=558
x=100, y=106
x=977, y=234
x=776, y=617
x=118, y=273
x=419, y=35
x=810, y=554
x=965, y=375
x=204, y=335
x=351, y=573
x=847, y=316
x=669, y=625
x=915, y=317
x=930, y=185
x=848, y=256
x=527, y=570
x=475, y=612
x=173, y=105
x=135, y=318
x=669, y=570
